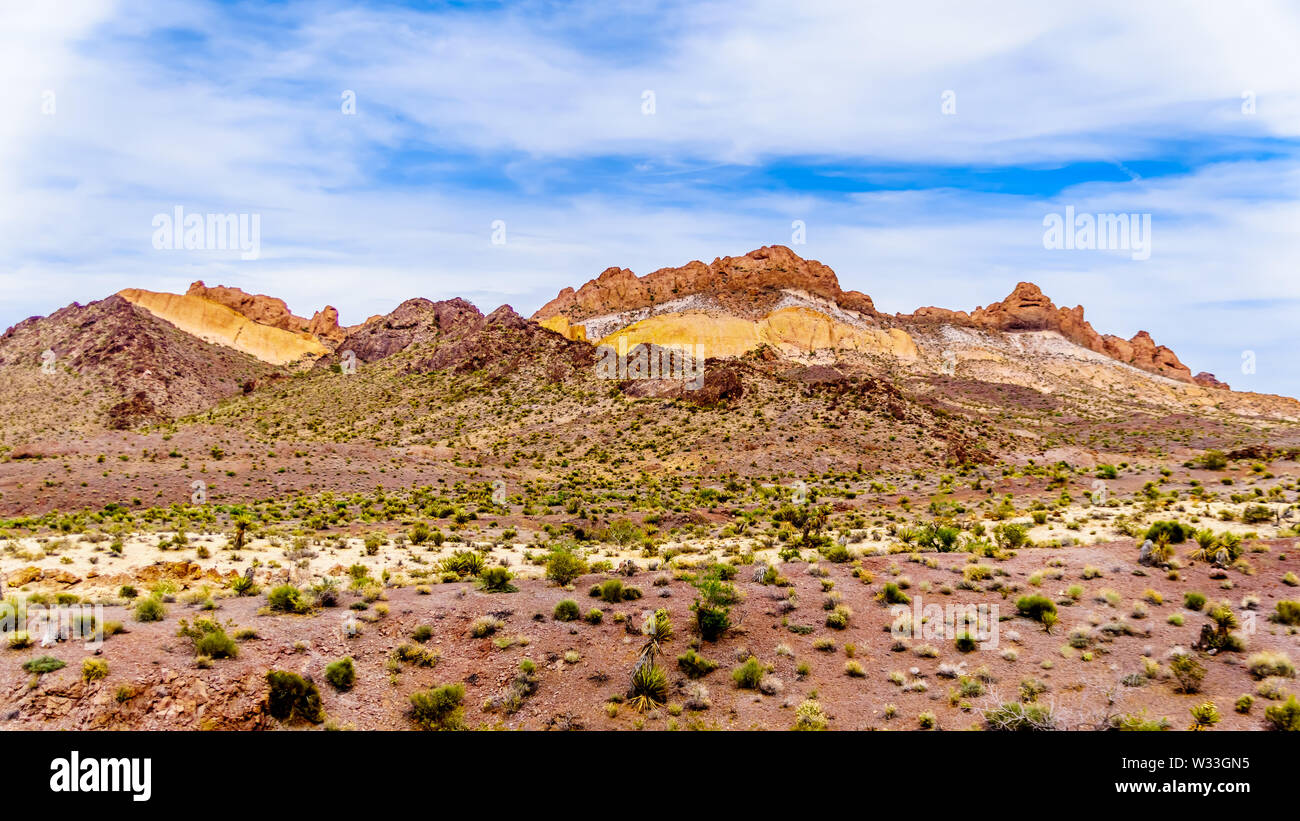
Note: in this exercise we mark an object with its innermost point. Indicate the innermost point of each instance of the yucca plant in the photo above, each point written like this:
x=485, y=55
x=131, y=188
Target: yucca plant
x=649, y=681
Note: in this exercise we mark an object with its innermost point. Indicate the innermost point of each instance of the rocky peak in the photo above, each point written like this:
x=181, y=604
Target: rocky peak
x=747, y=285
x=268, y=310
x=1027, y=308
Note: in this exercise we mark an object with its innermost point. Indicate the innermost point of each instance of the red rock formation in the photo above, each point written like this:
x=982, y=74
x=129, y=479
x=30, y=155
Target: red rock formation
x=747, y=285
x=268, y=310
x=1026, y=308
x=1208, y=380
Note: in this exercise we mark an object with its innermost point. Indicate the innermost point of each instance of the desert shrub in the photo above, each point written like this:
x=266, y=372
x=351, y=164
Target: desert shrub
x=566, y=610
x=1035, y=607
x=150, y=608
x=1265, y=663
x=1138, y=722
x=610, y=591
x=893, y=594
x=1019, y=717
x=965, y=642
x=563, y=566
x=126, y=591
x=496, y=580
x=293, y=697
x=1188, y=673
x=694, y=665
x=1193, y=600
x=838, y=619
x=809, y=716
x=594, y=616
x=1285, y=716
x=749, y=675
x=216, y=644
x=287, y=599
x=342, y=674
x=94, y=669
x=243, y=586
x=713, y=604
x=414, y=654
x=439, y=708
x=43, y=664
x=485, y=626
x=422, y=633
x=1172, y=532
x=1287, y=612
x=20, y=640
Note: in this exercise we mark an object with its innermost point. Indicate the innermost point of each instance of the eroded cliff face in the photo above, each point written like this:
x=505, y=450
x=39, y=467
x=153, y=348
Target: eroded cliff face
x=773, y=296
x=748, y=286
x=220, y=324
x=267, y=310
x=793, y=331
x=1027, y=308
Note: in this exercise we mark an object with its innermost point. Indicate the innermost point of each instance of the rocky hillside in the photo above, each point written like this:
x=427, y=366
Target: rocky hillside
x=113, y=365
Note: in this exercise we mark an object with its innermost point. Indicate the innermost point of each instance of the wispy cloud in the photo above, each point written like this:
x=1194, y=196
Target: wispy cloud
x=534, y=113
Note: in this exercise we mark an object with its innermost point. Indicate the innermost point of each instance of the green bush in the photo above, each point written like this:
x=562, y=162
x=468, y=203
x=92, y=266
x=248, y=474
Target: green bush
x=150, y=608
x=610, y=591
x=1193, y=600
x=496, y=580
x=711, y=622
x=43, y=664
x=1284, y=716
x=893, y=594
x=94, y=669
x=1035, y=607
x=217, y=645
x=1020, y=717
x=594, y=616
x=1288, y=612
x=293, y=697
x=438, y=708
x=342, y=674
x=748, y=675
x=1176, y=533
x=563, y=566
x=1188, y=673
x=287, y=599
x=566, y=610
x=694, y=665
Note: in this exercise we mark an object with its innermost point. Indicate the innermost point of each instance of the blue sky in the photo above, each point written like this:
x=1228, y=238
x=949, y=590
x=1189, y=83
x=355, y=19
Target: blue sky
x=764, y=113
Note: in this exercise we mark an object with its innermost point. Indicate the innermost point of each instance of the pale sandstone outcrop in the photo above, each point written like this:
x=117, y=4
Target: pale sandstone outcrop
x=222, y=325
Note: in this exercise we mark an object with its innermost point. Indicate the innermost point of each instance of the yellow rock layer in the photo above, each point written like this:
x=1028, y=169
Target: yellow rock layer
x=560, y=324
x=220, y=325
x=792, y=331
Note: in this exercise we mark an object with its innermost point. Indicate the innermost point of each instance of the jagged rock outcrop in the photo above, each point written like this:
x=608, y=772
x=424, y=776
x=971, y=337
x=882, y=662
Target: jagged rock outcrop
x=1027, y=308
x=220, y=324
x=748, y=286
x=1207, y=380
x=268, y=310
